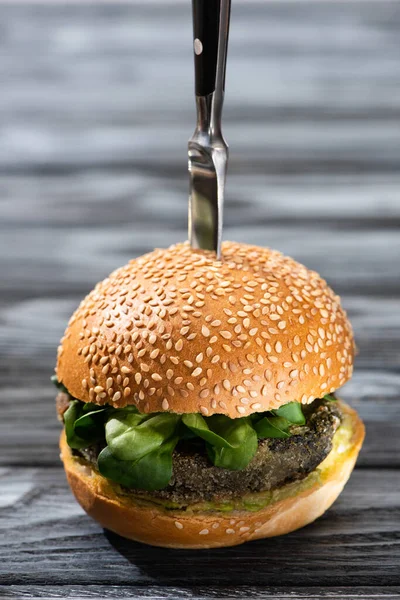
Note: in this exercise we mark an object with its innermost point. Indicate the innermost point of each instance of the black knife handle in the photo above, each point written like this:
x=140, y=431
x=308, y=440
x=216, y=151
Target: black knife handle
x=206, y=25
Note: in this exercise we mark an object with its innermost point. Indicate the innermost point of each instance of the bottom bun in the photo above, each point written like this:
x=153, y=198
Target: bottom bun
x=293, y=506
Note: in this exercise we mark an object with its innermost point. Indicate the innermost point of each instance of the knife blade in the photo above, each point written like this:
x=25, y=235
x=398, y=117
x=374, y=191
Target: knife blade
x=207, y=149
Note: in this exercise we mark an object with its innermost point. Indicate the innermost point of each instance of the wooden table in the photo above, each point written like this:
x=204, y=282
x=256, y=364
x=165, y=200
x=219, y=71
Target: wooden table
x=96, y=107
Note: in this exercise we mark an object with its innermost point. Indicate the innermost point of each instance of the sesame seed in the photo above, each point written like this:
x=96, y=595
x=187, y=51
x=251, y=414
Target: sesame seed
x=197, y=372
x=226, y=335
x=179, y=345
x=178, y=525
x=268, y=374
x=125, y=370
x=260, y=286
x=205, y=331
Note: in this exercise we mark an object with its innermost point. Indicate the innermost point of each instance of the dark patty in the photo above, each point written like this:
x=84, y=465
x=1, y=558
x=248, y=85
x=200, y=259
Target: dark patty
x=277, y=462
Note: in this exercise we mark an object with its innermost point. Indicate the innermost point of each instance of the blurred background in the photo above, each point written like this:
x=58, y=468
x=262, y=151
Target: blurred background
x=96, y=107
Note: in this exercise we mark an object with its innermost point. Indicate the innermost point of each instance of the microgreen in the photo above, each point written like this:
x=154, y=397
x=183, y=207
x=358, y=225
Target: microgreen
x=131, y=436
x=58, y=384
x=139, y=447
x=241, y=437
x=151, y=472
x=198, y=425
x=330, y=398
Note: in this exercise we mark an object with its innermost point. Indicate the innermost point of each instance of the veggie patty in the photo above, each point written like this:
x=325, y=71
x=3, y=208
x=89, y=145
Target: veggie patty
x=276, y=462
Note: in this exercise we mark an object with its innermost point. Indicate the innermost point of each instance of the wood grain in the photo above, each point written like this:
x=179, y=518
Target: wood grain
x=101, y=592
x=347, y=544
x=374, y=395
x=96, y=107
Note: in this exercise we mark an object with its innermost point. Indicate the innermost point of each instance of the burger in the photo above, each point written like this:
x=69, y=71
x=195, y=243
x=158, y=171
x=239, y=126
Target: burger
x=198, y=397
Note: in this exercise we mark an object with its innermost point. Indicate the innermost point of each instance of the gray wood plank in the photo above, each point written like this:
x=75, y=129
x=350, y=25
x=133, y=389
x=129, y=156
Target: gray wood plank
x=294, y=86
x=109, y=197
x=49, y=540
x=92, y=172
x=51, y=262
x=29, y=430
x=101, y=592
x=32, y=327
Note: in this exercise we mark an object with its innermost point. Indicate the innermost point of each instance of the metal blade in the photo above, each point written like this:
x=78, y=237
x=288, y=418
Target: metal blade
x=208, y=151
x=207, y=171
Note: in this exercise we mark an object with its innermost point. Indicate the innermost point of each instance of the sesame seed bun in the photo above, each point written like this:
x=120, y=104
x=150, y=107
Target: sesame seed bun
x=177, y=330
x=212, y=529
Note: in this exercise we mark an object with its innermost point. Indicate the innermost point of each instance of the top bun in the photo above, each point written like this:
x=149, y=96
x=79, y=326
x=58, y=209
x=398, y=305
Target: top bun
x=177, y=330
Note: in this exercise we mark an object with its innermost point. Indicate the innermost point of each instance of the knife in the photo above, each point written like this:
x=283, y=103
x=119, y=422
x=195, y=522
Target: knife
x=207, y=149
